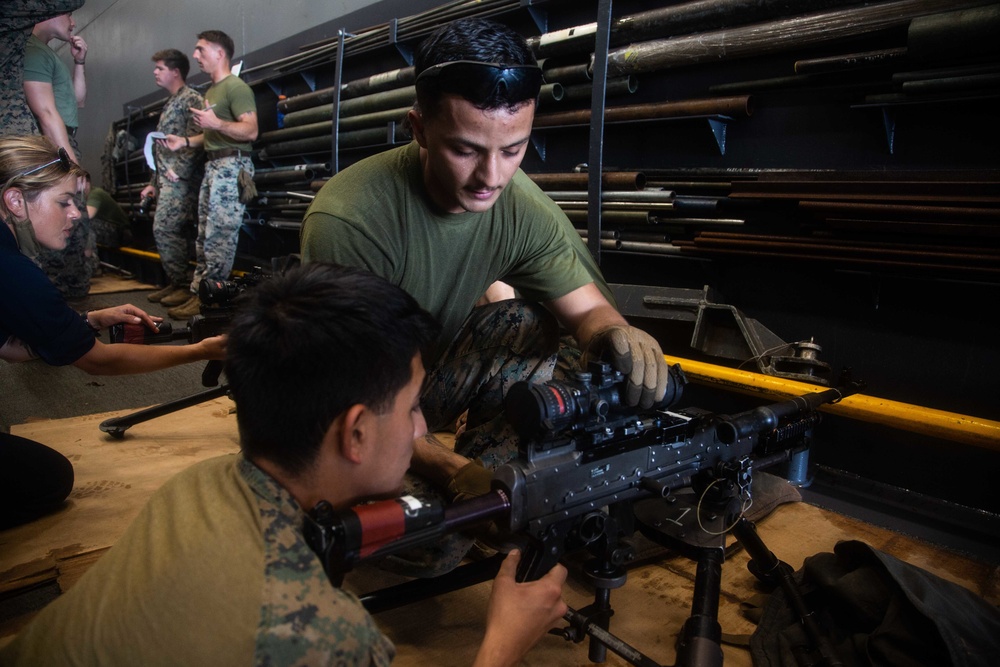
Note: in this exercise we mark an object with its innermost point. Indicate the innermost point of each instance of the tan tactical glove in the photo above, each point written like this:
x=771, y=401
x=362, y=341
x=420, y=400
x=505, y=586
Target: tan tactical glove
x=470, y=481
x=636, y=354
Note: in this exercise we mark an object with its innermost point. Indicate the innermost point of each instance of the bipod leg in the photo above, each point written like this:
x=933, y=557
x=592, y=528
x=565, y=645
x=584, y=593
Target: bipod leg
x=580, y=624
x=768, y=568
x=116, y=426
x=699, y=644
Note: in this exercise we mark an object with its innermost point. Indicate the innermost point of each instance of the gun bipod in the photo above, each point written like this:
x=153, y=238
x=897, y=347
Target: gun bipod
x=116, y=426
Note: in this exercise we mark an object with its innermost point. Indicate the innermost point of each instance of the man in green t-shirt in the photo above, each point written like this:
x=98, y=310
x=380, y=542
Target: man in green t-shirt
x=17, y=20
x=449, y=216
x=108, y=220
x=229, y=125
x=55, y=94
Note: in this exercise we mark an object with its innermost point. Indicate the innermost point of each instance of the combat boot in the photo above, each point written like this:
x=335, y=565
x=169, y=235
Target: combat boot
x=160, y=293
x=179, y=296
x=186, y=310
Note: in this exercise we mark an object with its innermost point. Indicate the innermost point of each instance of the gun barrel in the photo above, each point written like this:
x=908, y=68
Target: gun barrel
x=731, y=429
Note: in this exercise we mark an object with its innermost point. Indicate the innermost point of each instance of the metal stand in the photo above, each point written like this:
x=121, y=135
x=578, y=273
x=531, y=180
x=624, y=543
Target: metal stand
x=116, y=426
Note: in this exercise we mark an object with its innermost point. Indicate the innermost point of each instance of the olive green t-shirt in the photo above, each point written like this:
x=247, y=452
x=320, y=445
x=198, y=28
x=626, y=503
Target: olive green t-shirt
x=230, y=99
x=376, y=215
x=43, y=65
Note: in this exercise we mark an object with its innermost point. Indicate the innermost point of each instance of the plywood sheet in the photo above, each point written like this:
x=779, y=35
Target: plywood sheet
x=109, y=283
x=113, y=479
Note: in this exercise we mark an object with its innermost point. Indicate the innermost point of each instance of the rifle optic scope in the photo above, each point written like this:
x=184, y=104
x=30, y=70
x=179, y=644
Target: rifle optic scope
x=537, y=411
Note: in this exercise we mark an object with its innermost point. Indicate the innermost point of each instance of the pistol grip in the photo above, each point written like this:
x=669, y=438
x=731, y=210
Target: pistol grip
x=210, y=376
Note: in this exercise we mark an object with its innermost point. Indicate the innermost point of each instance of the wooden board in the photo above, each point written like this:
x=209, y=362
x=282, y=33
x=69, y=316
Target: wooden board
x=113, y=479
x=109, y=283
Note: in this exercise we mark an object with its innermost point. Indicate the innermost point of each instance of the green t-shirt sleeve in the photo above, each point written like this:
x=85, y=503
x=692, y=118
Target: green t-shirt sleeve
x=241, y=101
x=554, y=260
x=36, y=66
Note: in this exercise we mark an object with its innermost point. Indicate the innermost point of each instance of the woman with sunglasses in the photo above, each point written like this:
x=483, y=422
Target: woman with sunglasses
x=38, y=211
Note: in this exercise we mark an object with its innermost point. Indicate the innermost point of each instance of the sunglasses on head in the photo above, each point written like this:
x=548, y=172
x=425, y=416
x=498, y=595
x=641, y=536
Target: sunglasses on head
x=481, y=82
x=62, y=159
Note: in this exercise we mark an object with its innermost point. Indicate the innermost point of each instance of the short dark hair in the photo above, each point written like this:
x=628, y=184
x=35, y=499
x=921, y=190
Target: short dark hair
x=476, y=39
x=174, y=59
x=307, y=345
x=220, y=38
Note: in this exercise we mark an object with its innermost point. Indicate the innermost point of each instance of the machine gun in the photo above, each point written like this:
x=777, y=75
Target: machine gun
x=588, y=471
x=218, y=305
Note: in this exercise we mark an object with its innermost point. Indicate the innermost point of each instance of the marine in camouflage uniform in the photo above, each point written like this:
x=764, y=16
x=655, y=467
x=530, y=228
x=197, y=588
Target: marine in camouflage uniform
x=177, y=201
x=16, y=21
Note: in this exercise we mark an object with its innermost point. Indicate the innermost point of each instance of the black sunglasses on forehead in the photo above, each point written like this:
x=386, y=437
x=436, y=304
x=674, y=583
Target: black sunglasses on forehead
x=63, y=159
x=479, y=82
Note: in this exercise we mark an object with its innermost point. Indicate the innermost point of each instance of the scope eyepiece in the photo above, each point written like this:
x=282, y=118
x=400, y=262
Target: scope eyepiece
x=535, y=410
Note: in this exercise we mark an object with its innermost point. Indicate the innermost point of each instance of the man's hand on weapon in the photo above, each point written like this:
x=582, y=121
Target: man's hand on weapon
x=636, y=354
x=519, y=614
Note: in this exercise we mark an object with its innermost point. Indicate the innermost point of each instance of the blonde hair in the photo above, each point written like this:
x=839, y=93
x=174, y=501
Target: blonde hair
x=23, y=154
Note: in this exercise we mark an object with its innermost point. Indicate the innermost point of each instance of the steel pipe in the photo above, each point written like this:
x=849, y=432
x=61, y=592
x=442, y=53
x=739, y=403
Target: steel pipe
x=390, y=99
x=849, y=61
x=678, y=19
x=313, y=166
x=613, y=180
x=615, y=195
x=619, y=205
x=349, y=124
x=355, y=139
x=283, y=176
x=375, y=83
x=567, y=74
x=966, y=33
x=579, y=216
x=713, y=106
x=623, y=85
x=789, y=34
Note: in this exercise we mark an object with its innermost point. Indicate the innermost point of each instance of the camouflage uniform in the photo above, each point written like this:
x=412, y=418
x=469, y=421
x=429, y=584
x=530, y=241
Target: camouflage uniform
x=176, y=202
x=220, y=216
x=296, y=625
x=499, y=344
x=17, y=19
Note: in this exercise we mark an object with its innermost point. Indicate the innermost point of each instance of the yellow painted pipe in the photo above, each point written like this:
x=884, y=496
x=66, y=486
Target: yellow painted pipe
x=904, y=416
x=140, y=253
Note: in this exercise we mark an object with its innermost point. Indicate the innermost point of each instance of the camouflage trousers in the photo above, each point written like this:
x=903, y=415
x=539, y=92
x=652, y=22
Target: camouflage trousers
x=173, y=222
x=499, y=345
x=220, y=216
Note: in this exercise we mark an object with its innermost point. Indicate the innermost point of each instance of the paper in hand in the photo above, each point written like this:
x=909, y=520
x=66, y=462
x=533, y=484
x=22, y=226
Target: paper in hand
x=148, y=148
